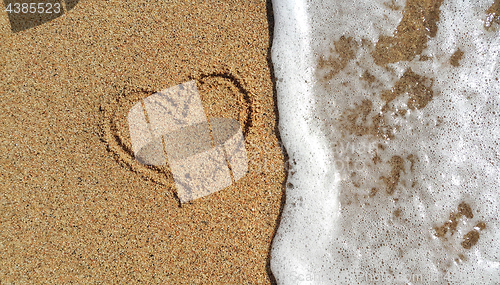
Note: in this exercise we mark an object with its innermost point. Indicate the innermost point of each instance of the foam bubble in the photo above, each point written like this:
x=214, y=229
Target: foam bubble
x=395, y=155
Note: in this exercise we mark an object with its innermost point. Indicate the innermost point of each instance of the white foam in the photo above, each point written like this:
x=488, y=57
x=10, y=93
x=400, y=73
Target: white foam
x=454, y=141
x=303, y=140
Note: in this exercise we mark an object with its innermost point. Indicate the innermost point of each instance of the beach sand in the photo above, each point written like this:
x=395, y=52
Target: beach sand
x=75, y=207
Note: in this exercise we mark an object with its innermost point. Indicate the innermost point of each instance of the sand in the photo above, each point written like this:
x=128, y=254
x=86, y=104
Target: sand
x=75, y=207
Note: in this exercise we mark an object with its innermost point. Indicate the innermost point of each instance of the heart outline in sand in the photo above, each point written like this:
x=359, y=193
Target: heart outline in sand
x=115, y=131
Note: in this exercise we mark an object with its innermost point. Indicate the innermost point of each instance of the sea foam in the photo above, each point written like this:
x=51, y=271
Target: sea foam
x=393, y=144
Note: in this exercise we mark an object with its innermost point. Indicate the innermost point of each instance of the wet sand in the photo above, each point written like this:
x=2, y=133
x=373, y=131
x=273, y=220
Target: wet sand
x=75, y=206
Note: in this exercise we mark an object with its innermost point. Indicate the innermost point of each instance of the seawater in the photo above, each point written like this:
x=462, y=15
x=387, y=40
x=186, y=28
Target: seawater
x=393, y=136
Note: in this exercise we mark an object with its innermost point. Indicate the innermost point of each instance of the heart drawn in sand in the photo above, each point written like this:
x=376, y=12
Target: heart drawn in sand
x=190, y=135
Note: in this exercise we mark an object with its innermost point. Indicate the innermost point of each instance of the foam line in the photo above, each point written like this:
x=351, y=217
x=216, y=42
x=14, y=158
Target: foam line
x=310, y=167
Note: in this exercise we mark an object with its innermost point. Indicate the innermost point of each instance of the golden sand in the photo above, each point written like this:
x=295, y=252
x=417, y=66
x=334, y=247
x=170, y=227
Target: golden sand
x=75, y=206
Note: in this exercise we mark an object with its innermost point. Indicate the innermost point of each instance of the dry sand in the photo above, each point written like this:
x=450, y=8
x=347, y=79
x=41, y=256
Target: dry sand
x=75, y=207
